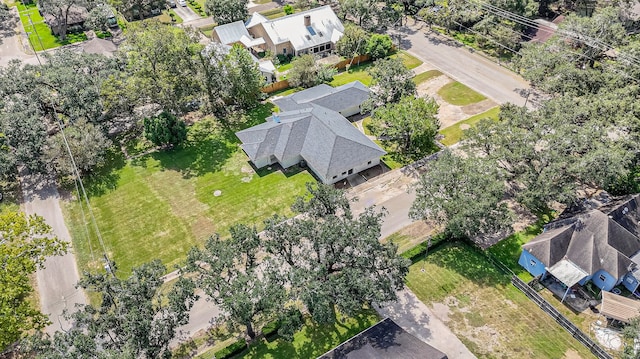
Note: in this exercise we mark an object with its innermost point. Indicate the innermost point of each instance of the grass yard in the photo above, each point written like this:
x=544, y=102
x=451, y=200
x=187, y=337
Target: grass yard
x=454, y=133
x=161, y=204
x=44, y=38
x=313, y=340
x=458, y=94
x=357, y=72
x=410, y=61
x=426, y=76
x=366, y=123
x=492, y=317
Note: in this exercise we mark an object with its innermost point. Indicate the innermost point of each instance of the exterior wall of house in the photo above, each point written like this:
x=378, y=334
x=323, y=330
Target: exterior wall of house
x=258, y=31
x=584, y=280
x=215, y=37
x=290, y=161
x=532, y=264
x=349, y=171
x=604, y=280
x=630, y=282
x=350, y=111
x=285, y=48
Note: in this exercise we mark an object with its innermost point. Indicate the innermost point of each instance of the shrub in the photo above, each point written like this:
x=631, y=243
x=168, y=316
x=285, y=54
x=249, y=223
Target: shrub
x=271, y=328
x=231, y=349
x=379, y=46
x=165, y=129
x=288, y=9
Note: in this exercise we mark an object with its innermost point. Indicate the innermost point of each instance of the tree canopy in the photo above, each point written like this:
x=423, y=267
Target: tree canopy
x=226, y=11
x=165, y=129
x=25, y=244
x=410, y=126
x=306, y=72
x=391, y=81
x=134, y=319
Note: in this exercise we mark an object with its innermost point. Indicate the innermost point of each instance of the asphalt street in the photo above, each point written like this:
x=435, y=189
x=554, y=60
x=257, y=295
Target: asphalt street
x=57, y=281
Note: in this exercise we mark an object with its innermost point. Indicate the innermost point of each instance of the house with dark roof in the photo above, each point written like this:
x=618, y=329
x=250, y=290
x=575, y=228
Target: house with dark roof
x=315, y=136
x=382, y=341
x=600, y=245
x=314, y=31
x=346, y=99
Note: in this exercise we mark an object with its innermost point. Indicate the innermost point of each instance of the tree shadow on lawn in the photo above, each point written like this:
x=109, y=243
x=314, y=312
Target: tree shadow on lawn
x=508, y=250
x=470, y=263
x=106, y=178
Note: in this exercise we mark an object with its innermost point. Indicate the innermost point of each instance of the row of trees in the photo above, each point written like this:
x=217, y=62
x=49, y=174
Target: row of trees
x=97, y=100
x=324, y=260
x=582, y=139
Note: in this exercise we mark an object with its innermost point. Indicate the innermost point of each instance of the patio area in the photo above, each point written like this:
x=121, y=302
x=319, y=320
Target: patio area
x=576, y=298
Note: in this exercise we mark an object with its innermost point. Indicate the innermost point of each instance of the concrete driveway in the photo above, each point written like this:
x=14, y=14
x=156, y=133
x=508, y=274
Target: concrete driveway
x=186, y=13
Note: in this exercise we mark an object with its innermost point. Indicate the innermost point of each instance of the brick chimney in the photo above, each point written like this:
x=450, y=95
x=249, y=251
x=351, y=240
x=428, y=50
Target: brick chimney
x=307, y=20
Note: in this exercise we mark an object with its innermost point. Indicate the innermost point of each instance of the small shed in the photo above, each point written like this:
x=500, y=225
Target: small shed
x=618, y=307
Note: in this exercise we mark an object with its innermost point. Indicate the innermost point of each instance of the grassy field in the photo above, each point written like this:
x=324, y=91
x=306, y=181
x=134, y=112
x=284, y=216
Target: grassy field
x=491, y=316
x=357, y=72
x=410, y=61
x=426, y=76
x=366, y=122
x=453, y=134
x=458, y=94
x=44, y=39
x=161, y=204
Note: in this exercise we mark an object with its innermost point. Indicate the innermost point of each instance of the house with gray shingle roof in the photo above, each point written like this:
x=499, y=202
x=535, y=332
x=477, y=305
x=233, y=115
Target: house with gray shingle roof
x=346, y=99
x=321, y=137
x=600, y=246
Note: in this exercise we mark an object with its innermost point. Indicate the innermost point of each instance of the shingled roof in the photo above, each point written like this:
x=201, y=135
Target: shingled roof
x=337, y=99
x=384, y=340
x=592, y=241
x=324, y=138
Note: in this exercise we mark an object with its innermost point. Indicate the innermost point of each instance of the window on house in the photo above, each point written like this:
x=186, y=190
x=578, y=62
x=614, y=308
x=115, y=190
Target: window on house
x=284, y=51
x=351, y=171
x=602, y=277
x=532, y=262
x=630, y=280
x=344, y=173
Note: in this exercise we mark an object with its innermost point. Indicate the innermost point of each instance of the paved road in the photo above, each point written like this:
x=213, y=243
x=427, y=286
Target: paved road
x=57, y=281
x=11, y=44
x=186, y=13
x=416, y=318
x=464, y=65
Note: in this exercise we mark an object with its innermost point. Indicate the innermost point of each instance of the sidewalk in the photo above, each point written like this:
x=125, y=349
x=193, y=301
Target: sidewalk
x=416, y=318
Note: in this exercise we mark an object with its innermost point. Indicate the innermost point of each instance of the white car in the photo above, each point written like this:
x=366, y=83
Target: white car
x=182, y=3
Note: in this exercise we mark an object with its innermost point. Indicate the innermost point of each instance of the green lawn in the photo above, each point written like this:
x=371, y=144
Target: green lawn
x=426, y=76
x=44, y=38
x=453, y=134
x=285, y=67
x=458, y=94
x=314, y=340
x=410, y=61
x=357, y=72
x=492, y=317
x=159, y=205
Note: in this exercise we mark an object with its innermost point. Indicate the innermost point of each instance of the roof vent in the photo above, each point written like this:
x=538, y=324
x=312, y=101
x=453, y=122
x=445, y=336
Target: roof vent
x=307, y=37
x=320, y=33
x=625, y=210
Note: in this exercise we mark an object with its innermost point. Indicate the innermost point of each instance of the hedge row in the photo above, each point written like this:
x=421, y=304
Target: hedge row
x=231, y=349
x=416, y=253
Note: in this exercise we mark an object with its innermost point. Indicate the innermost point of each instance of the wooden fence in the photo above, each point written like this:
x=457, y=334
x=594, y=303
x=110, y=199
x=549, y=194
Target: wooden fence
x=276, y=86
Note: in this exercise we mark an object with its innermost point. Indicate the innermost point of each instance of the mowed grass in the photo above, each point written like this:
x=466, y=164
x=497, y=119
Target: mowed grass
x=355, y=72
x=162, y=204
x=41, y=37
x=426, y=76
x=454, y=133
x=410, y=61
x=458, y=94
x=492, y=317
x=314, y=340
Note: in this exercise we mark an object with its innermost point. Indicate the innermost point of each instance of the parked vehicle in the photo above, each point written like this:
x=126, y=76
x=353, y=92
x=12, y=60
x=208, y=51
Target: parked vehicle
x=171, y=3
x=182, y=3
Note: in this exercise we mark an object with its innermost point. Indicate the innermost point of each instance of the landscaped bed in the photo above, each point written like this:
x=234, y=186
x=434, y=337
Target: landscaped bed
x=159, y=205
x=478, y=302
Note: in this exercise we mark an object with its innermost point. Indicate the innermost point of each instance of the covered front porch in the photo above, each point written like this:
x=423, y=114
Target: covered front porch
x=563, y=281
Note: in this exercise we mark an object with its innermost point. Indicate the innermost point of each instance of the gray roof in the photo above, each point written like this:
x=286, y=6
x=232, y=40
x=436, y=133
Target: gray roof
x=325, y=27
x=334, y=98
x=382, y=341
x=324, y=138
x=99, y=46
x=592, y=241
